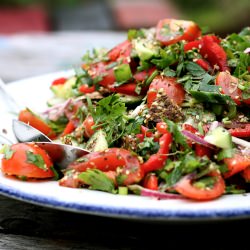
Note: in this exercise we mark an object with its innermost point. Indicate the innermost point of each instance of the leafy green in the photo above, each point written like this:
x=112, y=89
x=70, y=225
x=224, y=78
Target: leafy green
x=7, y=151
x=36, y=159
x=110, y=115
x=97, y=180
x=178, y=137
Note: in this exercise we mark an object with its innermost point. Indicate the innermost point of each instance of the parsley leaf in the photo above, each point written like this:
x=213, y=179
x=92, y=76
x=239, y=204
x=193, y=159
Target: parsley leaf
x=36, y=160
x=110, y=115
x=7, y=151
x=97, y=180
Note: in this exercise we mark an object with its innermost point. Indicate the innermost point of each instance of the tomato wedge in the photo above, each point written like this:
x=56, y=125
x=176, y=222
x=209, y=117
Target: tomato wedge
x=229, y=86
x=35, y=121
x=169, y=31
x=87, y=124
x=236, y=164
x=242, y=132
x=120, y=160
x=150, y=181
x=186, y=188
x=122, y=50
x=27, y=160
x=173, y=90
x=214, y=53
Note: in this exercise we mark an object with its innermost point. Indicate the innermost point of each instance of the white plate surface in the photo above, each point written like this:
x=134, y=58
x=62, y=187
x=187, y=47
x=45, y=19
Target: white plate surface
x=33, y=93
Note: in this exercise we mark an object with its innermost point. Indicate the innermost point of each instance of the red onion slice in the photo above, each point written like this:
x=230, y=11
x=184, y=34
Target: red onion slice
x=197, y=139
x=154, y=194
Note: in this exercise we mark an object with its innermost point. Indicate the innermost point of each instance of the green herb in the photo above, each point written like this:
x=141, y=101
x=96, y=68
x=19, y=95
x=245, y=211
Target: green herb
x=110, y=115
x=97, y=180
x=36, y=159
x=179, y=138
x=7, y=151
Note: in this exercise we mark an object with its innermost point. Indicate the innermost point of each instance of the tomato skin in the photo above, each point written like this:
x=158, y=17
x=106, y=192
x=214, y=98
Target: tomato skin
x=156, y=161
x=143, y=75
x=18, y=165
x=214, y=53
x=87, y=124
x=191, y=31
x=246, y=174
x=229, y=86
x=85, y=89
x=121, y=50
x=28, y=117
x=242, y=132
x=150, y=181
x=113, y=159
x=70, y=127
x=201, y=150
x=236, y=164
x=185, y=188
x=204, y=64
x=127, y=89
x=59, y=81
x=173, y=90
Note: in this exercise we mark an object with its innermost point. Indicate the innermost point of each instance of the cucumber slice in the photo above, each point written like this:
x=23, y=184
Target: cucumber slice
x=219, y=137
x=97, y=142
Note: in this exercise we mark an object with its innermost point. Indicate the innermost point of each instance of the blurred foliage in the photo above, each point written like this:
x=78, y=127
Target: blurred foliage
x=222, y=17
x=43, y=2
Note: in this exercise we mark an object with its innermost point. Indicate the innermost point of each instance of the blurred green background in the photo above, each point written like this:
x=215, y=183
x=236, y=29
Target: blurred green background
x=221, y=17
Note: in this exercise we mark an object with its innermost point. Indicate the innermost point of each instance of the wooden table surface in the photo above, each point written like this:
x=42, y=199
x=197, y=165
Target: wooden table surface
x=27, y=226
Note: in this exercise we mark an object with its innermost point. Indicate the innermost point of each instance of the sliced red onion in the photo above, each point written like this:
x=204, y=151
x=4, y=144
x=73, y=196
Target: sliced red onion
x=214, y=125
x=57, y=110
x=153, y=193
x=197, y=139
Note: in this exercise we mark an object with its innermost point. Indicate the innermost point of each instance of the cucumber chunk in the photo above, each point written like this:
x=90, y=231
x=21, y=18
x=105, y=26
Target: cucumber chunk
x=97, y=142
x=219, y=137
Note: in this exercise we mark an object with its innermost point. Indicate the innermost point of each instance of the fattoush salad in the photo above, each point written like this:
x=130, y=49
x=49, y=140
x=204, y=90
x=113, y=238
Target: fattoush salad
x=164, y=114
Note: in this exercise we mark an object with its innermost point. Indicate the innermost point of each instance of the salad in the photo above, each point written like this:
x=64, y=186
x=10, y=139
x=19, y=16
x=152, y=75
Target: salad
x=163, y=114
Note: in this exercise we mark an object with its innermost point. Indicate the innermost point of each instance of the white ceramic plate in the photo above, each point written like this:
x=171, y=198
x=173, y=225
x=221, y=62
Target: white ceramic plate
x=34, y=92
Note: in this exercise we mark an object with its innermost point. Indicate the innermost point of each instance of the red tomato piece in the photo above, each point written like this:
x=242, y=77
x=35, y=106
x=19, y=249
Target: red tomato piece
x=143, y=75
x=246, y=174
x=169, y=31
x=145, y=131
x=150, y=181
x=162, y=127
x=203, y=63
x=201, y=150
x=88, y=123
x=20, y=165
x=70, y=127
x=186, y=188
x=242, y=132
x=120, y=160
x=214, y=53
x=35, y=121
x=127, y=89
x=236, y=164
x=192, y=45
x=173, y=90
x=121, y=50
x=229, y=86
x=59, y=81
x=85, y=89
x=157, y=161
